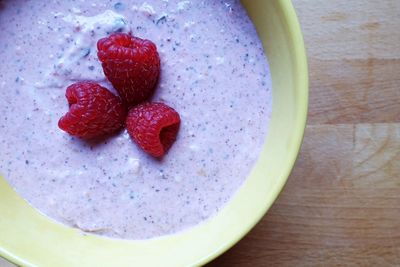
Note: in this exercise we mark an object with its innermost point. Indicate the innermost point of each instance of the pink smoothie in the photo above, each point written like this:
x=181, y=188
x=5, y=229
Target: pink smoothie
x=214, y=73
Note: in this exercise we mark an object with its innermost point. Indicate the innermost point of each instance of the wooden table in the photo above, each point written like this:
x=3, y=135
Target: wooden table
x=341, y=205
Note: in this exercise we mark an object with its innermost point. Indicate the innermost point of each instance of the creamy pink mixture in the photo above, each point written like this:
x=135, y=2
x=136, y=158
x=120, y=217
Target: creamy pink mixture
x=214, y=73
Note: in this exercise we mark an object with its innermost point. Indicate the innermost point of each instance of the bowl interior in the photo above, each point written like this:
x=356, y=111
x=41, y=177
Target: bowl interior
x=29, y=238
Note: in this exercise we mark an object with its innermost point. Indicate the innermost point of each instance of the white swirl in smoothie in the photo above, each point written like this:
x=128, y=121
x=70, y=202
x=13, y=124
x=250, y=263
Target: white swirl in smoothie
x=79, y=49
x=214, y=72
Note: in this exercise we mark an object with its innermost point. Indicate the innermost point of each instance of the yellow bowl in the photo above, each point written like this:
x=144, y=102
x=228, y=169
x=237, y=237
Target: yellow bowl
x=30, y=239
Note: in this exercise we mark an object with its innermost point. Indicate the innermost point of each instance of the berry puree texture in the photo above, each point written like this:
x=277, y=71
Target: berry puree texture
x=214, y=72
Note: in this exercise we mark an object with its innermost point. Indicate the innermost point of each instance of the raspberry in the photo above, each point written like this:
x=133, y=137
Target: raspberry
x=153, y=126
x=131, y=64
x=93, y=111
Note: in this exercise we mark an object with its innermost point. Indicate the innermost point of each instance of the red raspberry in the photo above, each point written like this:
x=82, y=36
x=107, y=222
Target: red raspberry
x=131, y=64
x=93, y=111
x=153, y=126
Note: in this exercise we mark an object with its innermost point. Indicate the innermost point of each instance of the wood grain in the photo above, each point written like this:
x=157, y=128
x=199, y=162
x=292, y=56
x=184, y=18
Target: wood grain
x=341, y=206
x=354, y=91
x=354, y=59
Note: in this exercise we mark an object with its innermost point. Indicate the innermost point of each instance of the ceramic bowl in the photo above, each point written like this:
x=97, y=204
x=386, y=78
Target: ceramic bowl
x=28, y=238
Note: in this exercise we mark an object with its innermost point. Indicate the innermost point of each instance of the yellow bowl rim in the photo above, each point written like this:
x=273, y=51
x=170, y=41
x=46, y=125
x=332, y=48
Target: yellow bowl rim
x=302, y=83
x=300, y=58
